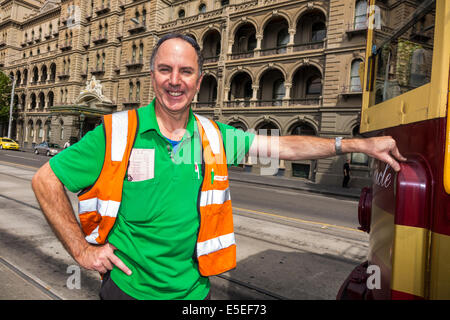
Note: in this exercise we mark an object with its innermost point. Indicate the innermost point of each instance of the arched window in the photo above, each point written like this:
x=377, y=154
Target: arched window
x=361, y=15
x=141, y=51
x=181, y=13
x=133, y=53
x=103, y=61
x=202, y=8
x=130, y=92
x=40, y=130
x=144, y=17
x=61, y=130
x=138, y=91
x=278, y=92
x=98, y=61
x=282, y=38
x=355, y=81
x=318, y=32
x=314, y=85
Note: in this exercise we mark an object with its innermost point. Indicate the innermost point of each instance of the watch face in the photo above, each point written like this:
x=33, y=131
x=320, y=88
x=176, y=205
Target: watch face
x=338, y=145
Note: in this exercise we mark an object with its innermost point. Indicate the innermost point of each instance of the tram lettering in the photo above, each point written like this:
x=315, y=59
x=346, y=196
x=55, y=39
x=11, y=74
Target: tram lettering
x=199, y=310
x=382, y=179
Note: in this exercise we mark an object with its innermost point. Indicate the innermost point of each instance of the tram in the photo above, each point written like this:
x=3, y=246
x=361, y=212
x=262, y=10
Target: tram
x=406, y=95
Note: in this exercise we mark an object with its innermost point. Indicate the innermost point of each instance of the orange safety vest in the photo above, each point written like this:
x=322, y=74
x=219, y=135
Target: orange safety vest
x=99, y=204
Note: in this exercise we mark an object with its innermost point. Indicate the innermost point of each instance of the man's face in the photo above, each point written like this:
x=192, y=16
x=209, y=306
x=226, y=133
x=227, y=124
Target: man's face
x=175, y=77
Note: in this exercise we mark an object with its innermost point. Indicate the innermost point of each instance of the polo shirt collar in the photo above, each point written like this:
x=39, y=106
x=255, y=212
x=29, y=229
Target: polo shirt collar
x=147, y=120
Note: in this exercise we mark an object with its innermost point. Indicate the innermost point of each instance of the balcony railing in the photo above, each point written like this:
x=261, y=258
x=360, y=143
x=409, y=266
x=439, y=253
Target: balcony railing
x=98, y=71
x=356, y=28
x=102, y=9
x=305, y=101
x=308, y=46
x=64, y=75
x=131, y=103
x=237, y=103
x=211, y=59
x=100, y=39
x=351, y=91
x=269, y=103
x=272, y=51
x=242, y=55
x=135, y=28
x=66, y=45
x=134, y=63
x=205, y=104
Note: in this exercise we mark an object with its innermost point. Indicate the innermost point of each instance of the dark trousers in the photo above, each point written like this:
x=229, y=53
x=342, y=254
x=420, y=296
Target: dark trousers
x=345, y=182
x=110, y=291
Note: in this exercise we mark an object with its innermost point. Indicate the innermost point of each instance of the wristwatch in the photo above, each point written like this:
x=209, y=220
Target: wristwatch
x=338, y=145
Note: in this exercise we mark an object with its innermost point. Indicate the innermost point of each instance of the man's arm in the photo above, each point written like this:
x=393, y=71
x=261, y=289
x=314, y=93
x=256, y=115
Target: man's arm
x=308, y=147
x=58, y=211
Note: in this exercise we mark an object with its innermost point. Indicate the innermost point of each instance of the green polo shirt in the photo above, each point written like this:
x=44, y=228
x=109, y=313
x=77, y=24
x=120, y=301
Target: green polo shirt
x=156, y=228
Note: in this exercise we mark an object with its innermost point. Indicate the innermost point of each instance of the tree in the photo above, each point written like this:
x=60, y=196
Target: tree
x=5, y=97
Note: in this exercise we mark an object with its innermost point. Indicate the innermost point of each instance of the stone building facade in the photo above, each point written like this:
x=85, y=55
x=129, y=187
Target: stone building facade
x=290, y=66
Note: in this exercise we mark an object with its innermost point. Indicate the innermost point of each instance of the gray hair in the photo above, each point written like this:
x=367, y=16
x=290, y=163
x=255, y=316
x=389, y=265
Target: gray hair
x=181, y=36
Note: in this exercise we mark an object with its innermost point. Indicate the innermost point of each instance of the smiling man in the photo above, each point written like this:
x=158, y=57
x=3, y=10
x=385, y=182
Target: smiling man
x=155, y=207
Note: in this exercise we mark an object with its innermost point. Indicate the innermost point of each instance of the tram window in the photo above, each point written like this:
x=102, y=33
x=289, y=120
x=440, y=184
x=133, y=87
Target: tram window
x=404, y=58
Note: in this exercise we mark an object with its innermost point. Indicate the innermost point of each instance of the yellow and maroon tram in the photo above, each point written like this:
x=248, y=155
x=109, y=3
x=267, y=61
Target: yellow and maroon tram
x=406, y=95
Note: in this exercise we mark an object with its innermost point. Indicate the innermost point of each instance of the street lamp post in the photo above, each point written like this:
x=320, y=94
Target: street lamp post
x=82, y=117
x=11, y=105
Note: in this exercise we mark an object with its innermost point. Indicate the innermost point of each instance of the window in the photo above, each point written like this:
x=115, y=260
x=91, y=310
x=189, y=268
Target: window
x=133, y=53
x=141, y=51
x=278, y=92
x=103, y=61
x=40, y=131
x=318, y=32
x=61, y=130
x=360, y=15
x=130, y=92
x=358, y=158
x=202, y=8
x=282, y=38
x=181, y=13
x=314, y=85
x=138, y=91
x=225, y=2
x=355, y=81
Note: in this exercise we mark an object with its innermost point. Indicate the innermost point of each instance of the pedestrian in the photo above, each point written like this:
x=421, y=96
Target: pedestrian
x=66, y=145
x=346, y=174
x=154, y=221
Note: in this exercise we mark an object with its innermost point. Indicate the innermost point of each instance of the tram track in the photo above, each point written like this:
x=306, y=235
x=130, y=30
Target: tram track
x=263, y=242
x=29, y=280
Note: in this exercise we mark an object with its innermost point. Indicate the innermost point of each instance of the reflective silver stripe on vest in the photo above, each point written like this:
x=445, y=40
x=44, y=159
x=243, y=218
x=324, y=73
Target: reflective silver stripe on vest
x=107, y=208
x=214, y=197
x=93, y=236
x=211, y=133
x=119, y=135
x=215, y=244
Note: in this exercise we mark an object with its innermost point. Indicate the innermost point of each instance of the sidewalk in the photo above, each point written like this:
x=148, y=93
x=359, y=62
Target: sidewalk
x=238, y=174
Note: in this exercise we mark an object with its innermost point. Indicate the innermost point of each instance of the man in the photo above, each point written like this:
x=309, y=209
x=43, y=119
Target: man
x=346, y=174
x=157, y=246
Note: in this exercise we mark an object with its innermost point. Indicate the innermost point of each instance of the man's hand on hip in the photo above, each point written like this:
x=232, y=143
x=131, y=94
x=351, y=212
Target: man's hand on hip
x=101, y=258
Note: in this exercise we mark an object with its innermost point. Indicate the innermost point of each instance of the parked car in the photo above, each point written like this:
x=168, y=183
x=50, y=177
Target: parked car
x=49, y=149
x=6, y=143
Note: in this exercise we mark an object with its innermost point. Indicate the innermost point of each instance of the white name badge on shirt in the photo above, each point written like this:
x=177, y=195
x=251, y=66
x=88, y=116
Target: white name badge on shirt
x=141, y=165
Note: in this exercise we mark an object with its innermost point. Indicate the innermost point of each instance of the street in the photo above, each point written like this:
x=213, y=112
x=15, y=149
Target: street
x=290, y=244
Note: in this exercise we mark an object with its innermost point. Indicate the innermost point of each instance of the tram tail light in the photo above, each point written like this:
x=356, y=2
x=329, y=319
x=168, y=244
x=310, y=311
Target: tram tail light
x=365, y=209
